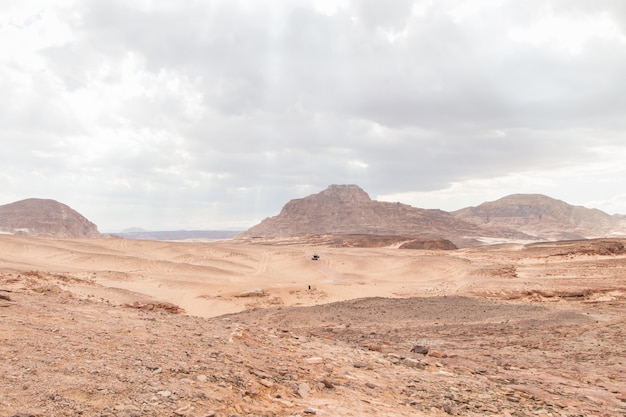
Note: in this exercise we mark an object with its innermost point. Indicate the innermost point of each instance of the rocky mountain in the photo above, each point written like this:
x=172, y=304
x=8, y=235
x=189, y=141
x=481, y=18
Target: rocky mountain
x=543, y=217
x=347, y=209
x=45, y=217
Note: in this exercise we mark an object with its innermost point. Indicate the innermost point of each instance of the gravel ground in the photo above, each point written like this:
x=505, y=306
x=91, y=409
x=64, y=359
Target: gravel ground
x=63, y=355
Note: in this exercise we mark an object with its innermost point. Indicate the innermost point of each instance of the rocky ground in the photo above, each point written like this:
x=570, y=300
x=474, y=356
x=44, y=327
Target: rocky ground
x=66, y=355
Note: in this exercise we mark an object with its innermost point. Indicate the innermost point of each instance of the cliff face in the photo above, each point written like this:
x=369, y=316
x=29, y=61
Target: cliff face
x=44, y=217
x=544, y=217
x=347, y=209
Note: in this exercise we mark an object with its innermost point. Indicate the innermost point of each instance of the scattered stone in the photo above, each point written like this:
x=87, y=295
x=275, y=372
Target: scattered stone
x=374, y=347
x=183, y=411
x=423, y=350
x=164, y=393
x=309, y=411
x=126, y=407
x=266, y=383
x=304, y=390
x=490, y=408
x=314, y=360
x=254, y=292
x=327, y=383
x=359, y=364
x=163, y=306
x=413, y=363
x=435, y=354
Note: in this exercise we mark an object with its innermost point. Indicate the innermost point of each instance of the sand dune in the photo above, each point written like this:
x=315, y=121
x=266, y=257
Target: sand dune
x=213, y=278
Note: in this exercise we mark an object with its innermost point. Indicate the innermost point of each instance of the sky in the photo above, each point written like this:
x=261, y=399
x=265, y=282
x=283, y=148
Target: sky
x=171, y=115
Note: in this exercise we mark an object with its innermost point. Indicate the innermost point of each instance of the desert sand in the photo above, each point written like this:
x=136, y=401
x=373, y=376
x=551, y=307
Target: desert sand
x=115, y=327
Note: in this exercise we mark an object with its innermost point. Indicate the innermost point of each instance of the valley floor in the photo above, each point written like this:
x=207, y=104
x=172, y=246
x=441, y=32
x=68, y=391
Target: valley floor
x=110, y=327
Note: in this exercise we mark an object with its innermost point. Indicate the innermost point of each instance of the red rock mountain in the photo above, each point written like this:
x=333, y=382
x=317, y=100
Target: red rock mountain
x=347, y=209
x=543, y=217
x=43, y=217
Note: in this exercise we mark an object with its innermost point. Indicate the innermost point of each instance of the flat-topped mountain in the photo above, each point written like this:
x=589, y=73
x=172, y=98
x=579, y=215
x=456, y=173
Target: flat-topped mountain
x=45, y=217
x=543, y=217
x=347, y=209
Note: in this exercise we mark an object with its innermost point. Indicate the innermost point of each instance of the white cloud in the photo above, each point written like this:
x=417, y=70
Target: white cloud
x=158, y=114
x=568, y=33
x=592, y=185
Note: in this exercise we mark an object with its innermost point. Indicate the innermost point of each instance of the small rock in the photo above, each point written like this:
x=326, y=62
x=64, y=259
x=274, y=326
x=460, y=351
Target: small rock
x=164, y=393
x=413, y=363
x=314, y=360
x=420, y=349
x=266, y=383
x=327, y=383
x=310, y=411
x=202, y=378
x=435, y=354
x=126, y=407
x=359, y=364
x=304, y=390
x=490, y=408
x=374, y=347
x=183, y=411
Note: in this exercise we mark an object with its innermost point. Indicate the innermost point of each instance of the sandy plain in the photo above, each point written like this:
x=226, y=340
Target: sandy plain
x=115, y=327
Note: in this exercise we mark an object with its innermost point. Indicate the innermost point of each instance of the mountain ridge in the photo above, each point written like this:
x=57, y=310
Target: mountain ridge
x=544, y=217
x=45, y=217
x=347, y=209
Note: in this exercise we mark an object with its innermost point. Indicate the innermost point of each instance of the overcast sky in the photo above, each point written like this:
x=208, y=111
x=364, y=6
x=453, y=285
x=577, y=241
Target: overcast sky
x=213, y=114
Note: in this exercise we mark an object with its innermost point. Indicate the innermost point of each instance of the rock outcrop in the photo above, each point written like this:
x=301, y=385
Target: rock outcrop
x=543, y=217
x=428, y=244
x=347, y=209
x=43, y=217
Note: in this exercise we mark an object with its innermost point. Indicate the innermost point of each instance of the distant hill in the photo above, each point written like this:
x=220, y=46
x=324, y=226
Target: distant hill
x=141, y=234
x=543, y=217
x=43, y=217
x=347, y=209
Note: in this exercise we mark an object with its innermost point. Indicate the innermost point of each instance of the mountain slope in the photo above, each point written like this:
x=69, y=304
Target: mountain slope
x=542, y=216
x=347, y=209
x=45, y=217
